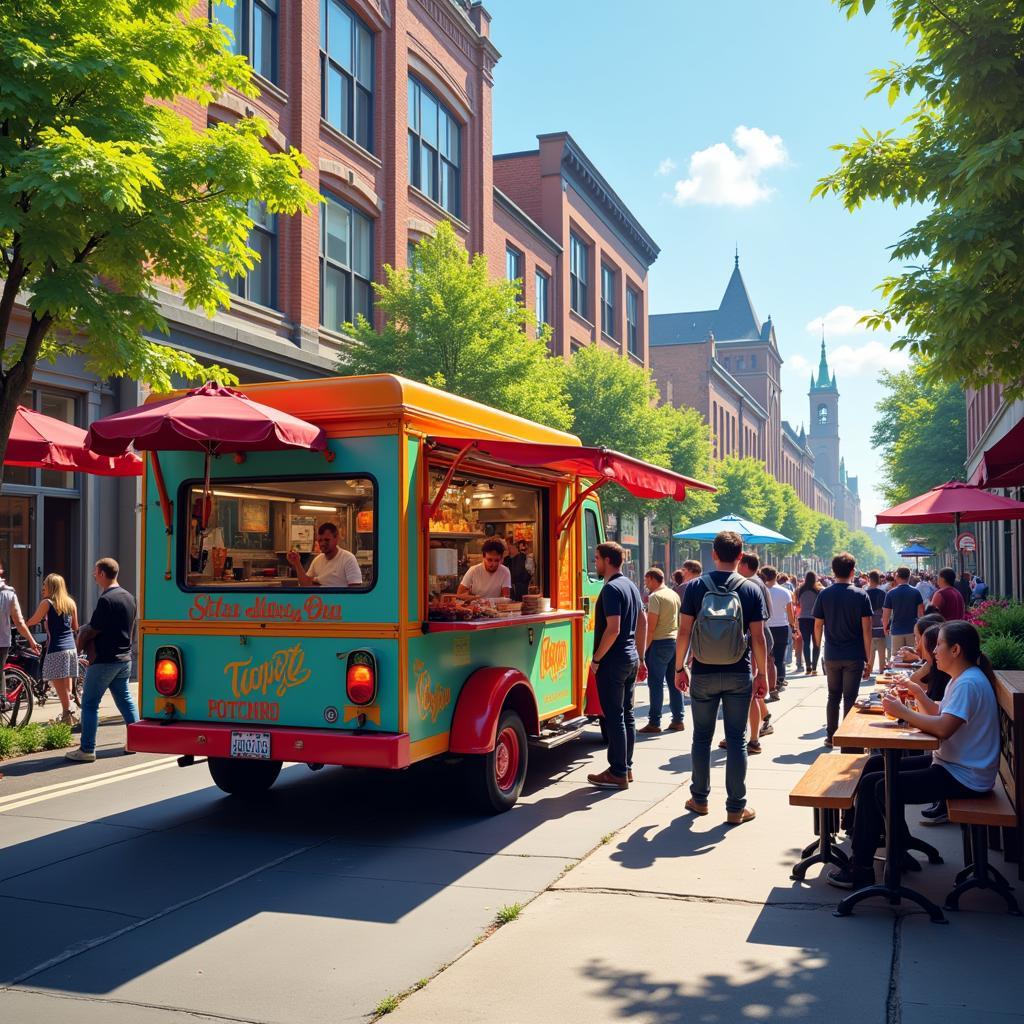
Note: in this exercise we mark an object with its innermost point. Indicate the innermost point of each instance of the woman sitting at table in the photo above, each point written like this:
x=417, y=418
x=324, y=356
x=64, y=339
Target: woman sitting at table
x=966, y=723
x=929, y=675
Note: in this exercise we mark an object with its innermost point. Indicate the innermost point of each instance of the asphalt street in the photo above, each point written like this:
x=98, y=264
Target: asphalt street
x=135, y=890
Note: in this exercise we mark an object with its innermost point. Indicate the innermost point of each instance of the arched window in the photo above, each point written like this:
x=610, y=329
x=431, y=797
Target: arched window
x=823, y=414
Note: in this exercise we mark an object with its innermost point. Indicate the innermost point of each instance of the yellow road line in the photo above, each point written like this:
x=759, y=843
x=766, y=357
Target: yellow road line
x=35, y=796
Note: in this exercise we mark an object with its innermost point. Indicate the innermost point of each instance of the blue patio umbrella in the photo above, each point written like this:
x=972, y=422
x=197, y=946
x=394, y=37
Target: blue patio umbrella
x=751, y=533
x=915, y=551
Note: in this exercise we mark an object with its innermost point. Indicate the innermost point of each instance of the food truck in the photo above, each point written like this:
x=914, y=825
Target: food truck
x=244, y=664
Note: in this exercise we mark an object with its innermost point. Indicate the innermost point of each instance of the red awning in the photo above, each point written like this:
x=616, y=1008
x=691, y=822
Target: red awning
x=1002, y=465
x=641, y=479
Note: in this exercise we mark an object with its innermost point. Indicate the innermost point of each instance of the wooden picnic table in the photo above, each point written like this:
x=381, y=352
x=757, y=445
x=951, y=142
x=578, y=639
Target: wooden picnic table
x=875, y=731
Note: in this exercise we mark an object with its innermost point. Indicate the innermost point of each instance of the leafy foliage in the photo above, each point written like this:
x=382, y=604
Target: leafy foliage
x=448, y=324
x=1006, y=619
x=1004, y=651
x=31, y=738
x=56, y=735
x=106, y=191
x=959, y=298
x=921, y=433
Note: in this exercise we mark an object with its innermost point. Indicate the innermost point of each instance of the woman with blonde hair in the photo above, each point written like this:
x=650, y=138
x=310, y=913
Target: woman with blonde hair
x=60, y=666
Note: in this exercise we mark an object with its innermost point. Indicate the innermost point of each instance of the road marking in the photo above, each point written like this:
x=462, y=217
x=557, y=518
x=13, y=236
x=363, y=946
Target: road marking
x=35, y=796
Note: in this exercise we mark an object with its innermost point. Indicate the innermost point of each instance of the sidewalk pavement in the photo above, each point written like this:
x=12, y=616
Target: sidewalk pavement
x=679, y=919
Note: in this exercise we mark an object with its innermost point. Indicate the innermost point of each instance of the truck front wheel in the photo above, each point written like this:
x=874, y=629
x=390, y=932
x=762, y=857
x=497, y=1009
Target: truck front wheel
x=243, y=778
x=497, y=778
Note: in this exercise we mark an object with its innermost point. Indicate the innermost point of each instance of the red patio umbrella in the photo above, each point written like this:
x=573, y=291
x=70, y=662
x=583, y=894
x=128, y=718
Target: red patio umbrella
x=38, y=441
x=954, y=502
x=212, y=419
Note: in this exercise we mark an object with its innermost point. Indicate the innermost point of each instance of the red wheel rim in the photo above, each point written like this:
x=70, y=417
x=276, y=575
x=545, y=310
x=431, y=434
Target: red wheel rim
x=506, y=759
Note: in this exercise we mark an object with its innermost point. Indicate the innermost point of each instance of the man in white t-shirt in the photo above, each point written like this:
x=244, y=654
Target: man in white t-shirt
x=490, y=578
x=926, y=589
x=333, y=567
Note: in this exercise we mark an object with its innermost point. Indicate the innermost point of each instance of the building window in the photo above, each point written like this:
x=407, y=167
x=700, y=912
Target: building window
x=513, y=264
x=607, y=300
x=346, y=72
x=753, y=362
x=542, y=300
x=253, y=26
x=346, y=264
x=579, y=277
x=435, y=148
x=260, y=284
x=823, y=414
x=739, y=362
x=633, y=321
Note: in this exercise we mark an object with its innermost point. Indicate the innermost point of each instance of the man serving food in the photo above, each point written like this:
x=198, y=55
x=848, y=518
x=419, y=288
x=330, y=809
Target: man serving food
x=490, y=577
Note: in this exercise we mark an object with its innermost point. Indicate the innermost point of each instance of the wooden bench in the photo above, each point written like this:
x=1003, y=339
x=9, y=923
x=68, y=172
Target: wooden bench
x=976, y=815
x=828, y=786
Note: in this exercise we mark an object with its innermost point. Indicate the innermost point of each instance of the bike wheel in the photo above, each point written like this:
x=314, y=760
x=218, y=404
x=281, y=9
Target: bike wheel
x=76, y=690
x=16, y=708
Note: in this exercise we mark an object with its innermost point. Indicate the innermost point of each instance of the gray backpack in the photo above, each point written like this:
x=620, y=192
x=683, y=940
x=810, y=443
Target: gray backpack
x=718, y=630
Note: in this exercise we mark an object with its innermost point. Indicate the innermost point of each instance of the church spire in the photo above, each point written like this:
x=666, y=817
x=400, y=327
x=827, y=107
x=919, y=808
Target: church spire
x=823, y=375
x=737, y=257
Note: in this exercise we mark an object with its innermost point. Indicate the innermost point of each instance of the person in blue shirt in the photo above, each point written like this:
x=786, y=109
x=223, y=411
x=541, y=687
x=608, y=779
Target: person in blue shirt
x=902, y=607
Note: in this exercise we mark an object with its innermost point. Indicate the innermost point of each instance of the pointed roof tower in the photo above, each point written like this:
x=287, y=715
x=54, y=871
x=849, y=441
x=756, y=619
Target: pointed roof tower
x=823, y=383
x=736, y=319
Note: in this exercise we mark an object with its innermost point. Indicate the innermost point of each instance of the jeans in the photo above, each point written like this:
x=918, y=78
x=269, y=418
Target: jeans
x=615, y=684
x=661, y=670
x=99, y=678
x=807, y=632
x=733, y=691
x=780, y=640
x=844, y=678
x=921, y=782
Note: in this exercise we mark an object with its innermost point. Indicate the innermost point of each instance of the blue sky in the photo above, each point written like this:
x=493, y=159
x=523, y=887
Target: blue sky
x=713, y=121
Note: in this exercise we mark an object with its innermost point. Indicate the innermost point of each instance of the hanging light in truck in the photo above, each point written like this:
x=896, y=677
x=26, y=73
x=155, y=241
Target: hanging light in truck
x=168, y=677
x=361, y=678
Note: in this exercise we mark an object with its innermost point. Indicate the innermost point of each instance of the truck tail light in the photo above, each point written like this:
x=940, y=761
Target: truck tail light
x=361, y=677
x=168, y=676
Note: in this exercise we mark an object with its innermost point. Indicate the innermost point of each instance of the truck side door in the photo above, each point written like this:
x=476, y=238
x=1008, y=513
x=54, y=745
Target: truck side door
x=591, y=534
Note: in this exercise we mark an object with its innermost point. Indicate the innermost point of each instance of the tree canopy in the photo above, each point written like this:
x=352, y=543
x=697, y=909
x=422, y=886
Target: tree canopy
x=959, y=297
x=106, y=191
x=447, y=323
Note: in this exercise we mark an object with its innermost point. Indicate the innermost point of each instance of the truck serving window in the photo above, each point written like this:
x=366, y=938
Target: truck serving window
x=264, y=534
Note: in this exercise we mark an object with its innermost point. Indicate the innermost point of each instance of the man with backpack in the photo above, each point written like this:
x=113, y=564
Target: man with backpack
x=719, y=610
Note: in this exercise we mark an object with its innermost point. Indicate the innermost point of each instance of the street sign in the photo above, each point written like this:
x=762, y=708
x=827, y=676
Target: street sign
x=966, y=542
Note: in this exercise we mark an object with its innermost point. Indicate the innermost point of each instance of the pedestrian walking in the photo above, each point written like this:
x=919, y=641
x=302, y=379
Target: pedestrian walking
x=620, y=631
x=902, y=607
x=806, y=596
x=719, y=610
x=877, y=598
x=781, y=621
x=662, y=628
x=108, y=638
x=842, y=613
x=10, y=615
x=690, y=570
x=947, y=600
x=760, y=718
x=60, y=666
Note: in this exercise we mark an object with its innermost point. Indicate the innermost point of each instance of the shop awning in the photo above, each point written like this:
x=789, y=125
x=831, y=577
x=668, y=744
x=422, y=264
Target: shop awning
x=641, y=479
x=1002, y=465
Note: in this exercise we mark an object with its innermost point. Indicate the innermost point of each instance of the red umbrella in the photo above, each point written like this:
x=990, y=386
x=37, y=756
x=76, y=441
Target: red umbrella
x=954, y=502
x=212, y=419
x=38, y=441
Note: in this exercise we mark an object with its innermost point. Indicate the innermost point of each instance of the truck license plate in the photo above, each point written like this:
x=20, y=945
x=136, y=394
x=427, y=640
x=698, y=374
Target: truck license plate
x=251, y=744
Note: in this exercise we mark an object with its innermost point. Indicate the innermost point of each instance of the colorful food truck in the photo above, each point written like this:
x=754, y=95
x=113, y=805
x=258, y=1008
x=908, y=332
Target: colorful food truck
x=246, y=661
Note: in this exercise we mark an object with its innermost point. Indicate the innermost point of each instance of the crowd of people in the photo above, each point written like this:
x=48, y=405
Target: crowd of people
x=102, y=647
x=728, y=637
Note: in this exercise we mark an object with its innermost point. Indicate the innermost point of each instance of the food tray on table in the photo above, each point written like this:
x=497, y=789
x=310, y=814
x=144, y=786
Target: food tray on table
x=872, y=704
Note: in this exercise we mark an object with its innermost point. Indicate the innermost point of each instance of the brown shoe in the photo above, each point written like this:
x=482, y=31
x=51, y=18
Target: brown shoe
x=739, y=817
x=722, y=745
x=629, y=776
x=692, y=805
x=753, y=747
x=649, y=729
x=605, y=780
x=677, y=727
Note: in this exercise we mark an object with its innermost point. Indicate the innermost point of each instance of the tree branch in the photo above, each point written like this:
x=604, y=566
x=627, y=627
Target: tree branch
x=948, y=17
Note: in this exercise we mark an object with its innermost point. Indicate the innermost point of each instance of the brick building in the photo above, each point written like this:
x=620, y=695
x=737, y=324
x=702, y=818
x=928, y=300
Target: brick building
x=390, y=101
x=995, y=460
x=726, y=363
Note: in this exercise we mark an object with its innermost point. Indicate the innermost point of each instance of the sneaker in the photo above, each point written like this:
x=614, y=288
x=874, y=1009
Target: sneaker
x=851, y=877
x=80, y=755
x=739, y=817
x=677, y=727
x=604, y=780
x=753, y=747
x=650, y=729
x=934, y=810
x=697, y=808
x=940, y=817
x=773, y=696
x=766, y=728
x=827, y=743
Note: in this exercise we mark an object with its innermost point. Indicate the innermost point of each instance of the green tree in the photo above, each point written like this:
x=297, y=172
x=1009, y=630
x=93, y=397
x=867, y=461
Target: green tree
x=688, y=445
x=104, y=190
x=831, y=537
x=959, y=298
x=743, y=489
x=448, y=324
x=921, y=434
x=868, y=554
x=797, y=523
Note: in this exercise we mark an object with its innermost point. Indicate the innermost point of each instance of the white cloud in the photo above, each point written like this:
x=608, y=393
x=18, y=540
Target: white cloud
x=869, y=358
x=797, y=362
x=841, y=322
x=667, y=166
x=724, y=176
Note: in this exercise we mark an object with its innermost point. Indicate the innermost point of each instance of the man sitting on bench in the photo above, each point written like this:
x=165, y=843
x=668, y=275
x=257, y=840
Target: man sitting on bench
x=966, y=722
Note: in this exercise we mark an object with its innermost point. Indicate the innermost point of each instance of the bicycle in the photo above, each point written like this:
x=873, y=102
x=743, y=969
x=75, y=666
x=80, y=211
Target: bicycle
x=17, y=699
x=25, y=685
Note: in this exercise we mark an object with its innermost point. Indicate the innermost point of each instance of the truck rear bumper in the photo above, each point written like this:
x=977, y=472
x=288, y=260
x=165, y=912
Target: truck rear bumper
x=316, y=746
